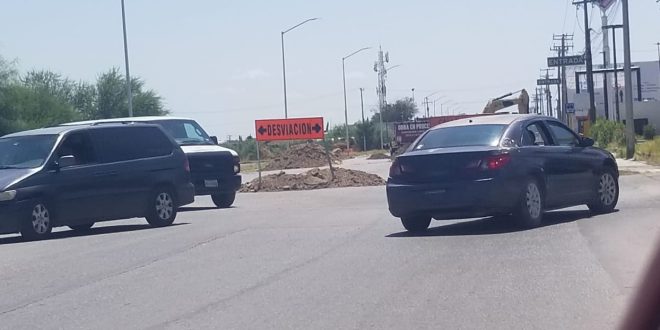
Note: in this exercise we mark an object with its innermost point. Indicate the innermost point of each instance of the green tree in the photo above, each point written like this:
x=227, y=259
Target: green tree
x=402, y=110
x=366, y=130
x=111, y=100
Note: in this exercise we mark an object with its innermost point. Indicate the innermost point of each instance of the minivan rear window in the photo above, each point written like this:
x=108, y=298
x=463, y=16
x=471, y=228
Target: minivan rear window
x=461, y=136
x=25, y=151
x=117, y=144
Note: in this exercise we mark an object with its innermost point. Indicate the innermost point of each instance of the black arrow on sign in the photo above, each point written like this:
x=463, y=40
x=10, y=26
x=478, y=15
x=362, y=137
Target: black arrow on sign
x=317, y=128
x=261, y=130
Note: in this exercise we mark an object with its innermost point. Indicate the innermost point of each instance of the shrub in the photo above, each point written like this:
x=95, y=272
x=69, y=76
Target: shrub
x=649, y=132
x=606, y=133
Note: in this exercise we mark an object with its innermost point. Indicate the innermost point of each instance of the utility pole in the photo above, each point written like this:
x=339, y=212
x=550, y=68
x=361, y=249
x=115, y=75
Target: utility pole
x=605, y=87
x=413, y=95
x=379, y=67
x=616, y=69
x=627, y=64
x=658, y=44
x=606, y=63
x=590, y=76
x=562, y=50
x=547, y=92
x=129, y=93
x=364, y=132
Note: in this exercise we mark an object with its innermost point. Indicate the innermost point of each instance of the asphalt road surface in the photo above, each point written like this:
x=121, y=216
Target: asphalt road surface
x=332, y=259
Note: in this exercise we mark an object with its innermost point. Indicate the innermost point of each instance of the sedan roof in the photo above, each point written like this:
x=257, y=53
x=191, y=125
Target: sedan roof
x=504, y=119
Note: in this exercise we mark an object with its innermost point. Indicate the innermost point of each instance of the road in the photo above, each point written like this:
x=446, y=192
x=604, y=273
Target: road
x=332, y=259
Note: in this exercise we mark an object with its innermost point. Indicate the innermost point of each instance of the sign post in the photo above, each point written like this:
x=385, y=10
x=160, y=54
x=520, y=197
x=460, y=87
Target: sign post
x=286, y=130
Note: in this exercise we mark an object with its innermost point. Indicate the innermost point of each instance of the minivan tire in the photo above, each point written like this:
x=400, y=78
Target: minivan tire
x=161, y=208
x=82, y=227
x=606, y=194
x=224, y=200
x=416, y=224
x=37, y=222
x=529, y=212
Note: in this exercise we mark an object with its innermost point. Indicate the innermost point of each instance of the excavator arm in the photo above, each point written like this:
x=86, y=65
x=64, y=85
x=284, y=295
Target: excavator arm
x=502, y=102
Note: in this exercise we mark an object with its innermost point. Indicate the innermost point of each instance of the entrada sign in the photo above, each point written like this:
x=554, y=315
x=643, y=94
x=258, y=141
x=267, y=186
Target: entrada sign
x=566, y=61
x=289, y=129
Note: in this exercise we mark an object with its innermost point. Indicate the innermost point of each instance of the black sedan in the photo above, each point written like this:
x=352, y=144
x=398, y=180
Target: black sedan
x=500, y=165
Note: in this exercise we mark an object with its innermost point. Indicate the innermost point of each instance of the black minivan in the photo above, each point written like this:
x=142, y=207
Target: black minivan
x=78, y=175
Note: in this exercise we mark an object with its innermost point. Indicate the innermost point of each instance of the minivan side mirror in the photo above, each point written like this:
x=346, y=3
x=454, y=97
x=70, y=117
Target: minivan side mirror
x=586, y=142
x=66, y=161
x=214, y=139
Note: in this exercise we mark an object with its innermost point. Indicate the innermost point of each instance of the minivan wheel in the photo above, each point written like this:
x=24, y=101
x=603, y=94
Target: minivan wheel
x=607, y=193
x=224, y=200
x=38, y=222
x=416, y=223
x=529, y=213
x=82, y=227
x=161, y=208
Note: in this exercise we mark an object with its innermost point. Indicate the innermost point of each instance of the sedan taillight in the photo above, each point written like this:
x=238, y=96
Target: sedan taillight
x=498, y=161
x=395, y=169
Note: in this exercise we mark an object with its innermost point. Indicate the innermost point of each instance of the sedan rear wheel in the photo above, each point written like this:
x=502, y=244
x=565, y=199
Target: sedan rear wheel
x=530, y=207
x=416, y=224
x=607, y=193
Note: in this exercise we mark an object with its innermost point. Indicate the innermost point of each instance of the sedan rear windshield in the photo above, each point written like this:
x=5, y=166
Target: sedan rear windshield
x=461, y=136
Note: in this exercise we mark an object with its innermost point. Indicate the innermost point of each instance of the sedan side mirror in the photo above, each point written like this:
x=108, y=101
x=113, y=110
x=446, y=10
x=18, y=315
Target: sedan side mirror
x=586, y=142
x=214, y=139
x=66, y=161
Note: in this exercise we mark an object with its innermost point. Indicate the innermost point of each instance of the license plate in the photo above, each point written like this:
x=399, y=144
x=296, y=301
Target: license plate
x=211, y=183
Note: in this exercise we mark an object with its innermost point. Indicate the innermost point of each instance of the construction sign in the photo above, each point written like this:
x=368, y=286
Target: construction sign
x=289, y=129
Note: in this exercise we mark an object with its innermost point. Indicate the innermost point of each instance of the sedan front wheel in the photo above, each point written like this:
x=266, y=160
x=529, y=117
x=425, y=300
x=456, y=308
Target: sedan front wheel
x=607, y=193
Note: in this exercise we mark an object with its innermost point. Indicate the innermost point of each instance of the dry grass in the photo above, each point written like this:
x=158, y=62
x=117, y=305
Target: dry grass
x=649, y=151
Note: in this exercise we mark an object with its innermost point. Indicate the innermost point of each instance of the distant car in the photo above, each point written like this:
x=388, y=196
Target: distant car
x=520, y=165
x=78, y=175
x=215, y=170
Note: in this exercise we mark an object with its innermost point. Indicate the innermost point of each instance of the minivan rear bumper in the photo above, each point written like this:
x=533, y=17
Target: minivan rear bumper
x=464, y=199
x=186, y=194
x=10, y=216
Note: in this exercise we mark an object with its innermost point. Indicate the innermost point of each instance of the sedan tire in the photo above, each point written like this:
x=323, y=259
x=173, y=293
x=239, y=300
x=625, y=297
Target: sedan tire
x=529, y=213
x=416, y=224
x=607, y=193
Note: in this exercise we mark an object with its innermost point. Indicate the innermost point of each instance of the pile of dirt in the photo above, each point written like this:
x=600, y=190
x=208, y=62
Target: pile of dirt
x=305, y=155
x=314, y=179
x=378, y=155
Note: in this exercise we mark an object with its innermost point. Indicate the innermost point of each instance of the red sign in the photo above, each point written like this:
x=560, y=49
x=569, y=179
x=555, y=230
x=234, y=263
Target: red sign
x=407, y=132
x=289, y=129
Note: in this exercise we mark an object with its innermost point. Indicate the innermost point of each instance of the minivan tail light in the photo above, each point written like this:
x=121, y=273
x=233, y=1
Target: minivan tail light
x=395, y=169
x=498, y=161
x=186, y=165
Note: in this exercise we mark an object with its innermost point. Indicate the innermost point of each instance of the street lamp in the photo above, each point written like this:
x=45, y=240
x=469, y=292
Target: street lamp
x=128, y=72
x=286, y=109
x=413, y=95
x=343, y=72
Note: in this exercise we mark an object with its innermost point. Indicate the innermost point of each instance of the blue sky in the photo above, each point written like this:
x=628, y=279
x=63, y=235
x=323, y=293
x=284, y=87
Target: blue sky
x=220, y=61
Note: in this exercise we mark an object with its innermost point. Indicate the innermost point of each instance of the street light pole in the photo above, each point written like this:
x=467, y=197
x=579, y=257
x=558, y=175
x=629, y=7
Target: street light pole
x=129, y=93
x=286, y=106
x=413, y=89
x=343, y=73
x=364, y=133
x=657, y=44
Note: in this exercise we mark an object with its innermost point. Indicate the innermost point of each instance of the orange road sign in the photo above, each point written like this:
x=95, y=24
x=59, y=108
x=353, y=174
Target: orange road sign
x=289, y=129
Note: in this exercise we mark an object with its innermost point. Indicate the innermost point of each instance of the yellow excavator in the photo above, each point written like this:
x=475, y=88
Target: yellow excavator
x=502, y=102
